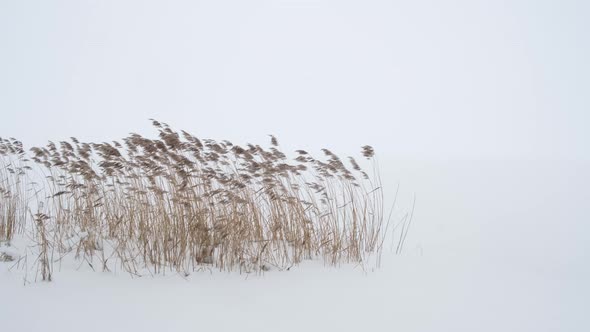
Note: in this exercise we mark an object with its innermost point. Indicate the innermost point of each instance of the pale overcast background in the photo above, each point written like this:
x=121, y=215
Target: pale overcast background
x=417, y=79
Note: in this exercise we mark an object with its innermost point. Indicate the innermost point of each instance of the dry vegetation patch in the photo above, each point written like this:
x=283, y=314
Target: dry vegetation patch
x=179, y=202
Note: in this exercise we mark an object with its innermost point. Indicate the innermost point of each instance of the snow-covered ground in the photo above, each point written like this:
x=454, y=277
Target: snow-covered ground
x=495, y=246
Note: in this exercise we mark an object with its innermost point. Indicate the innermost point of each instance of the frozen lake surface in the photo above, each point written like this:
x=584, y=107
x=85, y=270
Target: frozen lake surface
x=494, y=246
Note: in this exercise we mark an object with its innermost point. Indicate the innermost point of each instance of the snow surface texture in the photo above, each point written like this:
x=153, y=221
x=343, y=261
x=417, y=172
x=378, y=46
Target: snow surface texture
x=494, y=247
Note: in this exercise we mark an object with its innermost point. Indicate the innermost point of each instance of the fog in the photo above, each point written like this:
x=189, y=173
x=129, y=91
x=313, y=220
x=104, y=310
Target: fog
x=479, y=109
x=417, y=79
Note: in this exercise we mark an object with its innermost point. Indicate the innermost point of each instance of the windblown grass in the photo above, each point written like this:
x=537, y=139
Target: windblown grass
x=178, y=203
x=13, y=170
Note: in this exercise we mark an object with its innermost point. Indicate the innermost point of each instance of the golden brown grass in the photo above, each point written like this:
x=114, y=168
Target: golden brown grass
x=13, y=169
x=180, y=203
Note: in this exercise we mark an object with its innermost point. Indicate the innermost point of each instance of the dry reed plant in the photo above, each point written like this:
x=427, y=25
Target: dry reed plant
x=13, y=168
x=178, y=203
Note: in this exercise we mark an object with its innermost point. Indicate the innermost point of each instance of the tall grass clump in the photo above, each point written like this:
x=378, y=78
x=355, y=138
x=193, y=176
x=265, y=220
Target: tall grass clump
x=13, y=169
x=178, y=203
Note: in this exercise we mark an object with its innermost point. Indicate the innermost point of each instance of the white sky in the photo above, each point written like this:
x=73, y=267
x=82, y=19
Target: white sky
x=417, y=79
